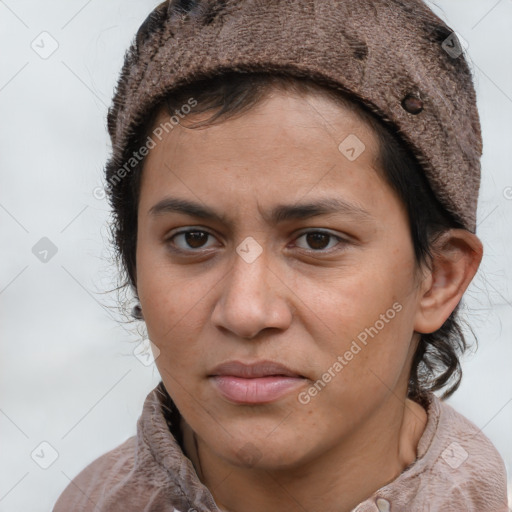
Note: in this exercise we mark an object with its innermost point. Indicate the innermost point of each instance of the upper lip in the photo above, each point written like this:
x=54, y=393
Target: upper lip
x=253, y=370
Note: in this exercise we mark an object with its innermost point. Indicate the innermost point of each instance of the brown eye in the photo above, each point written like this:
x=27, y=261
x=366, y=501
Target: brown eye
x=319, y=240
x=196, y=238
x=190, y=240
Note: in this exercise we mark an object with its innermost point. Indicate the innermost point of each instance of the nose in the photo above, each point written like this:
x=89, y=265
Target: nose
x=253, y=297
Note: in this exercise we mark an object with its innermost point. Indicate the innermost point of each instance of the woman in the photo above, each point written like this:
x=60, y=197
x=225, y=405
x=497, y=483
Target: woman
x=294, y=188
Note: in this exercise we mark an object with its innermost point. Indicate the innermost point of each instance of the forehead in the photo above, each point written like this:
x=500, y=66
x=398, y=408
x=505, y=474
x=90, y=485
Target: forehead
x=308, y=105
x=288, y=144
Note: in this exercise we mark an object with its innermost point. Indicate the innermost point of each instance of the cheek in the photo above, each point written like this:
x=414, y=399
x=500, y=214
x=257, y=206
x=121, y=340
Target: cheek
x=361, y=369
x=174, y=309
x=371, y=318
x=361, y=299
x=160, y=293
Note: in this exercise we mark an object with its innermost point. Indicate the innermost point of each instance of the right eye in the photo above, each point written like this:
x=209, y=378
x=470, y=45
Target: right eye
x=191, y=239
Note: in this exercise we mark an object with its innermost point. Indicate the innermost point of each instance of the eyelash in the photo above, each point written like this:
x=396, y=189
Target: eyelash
x=341, y=240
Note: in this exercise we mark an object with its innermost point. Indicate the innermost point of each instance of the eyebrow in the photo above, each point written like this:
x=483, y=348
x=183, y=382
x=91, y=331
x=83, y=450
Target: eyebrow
x=279, y=214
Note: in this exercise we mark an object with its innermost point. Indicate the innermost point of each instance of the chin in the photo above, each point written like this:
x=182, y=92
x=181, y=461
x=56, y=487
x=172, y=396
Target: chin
x=251, y=452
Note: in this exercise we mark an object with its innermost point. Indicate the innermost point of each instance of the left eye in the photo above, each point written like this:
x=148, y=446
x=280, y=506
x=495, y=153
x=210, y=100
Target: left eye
x=195, y=239
x=317, y=239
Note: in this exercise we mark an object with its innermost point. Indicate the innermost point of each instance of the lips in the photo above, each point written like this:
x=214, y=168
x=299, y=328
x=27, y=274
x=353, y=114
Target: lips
x=254, y=383
x=254, y=370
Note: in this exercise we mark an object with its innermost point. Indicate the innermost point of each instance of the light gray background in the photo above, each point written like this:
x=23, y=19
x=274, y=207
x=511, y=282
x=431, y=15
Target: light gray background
x=68, y=374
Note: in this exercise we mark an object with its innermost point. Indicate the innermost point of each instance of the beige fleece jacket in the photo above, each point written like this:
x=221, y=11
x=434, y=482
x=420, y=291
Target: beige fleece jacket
x=458, y=469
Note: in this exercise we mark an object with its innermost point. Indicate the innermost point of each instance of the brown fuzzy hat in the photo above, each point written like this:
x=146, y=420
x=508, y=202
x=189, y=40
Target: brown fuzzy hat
x=396, y=56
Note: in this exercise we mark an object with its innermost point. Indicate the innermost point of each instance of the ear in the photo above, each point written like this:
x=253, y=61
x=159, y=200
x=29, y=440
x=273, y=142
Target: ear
x=456, y=257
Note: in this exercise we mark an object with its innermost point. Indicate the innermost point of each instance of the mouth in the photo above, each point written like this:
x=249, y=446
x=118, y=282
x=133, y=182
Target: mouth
x=254, y=383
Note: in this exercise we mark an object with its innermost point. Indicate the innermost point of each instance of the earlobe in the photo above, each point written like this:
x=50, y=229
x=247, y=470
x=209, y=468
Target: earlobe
x=456, y=257
x=137, y=312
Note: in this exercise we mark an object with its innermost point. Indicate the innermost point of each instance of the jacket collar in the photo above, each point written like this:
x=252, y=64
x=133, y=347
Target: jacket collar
x=160, y=417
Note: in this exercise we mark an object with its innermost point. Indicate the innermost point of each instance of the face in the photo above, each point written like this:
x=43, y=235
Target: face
x=283, y=331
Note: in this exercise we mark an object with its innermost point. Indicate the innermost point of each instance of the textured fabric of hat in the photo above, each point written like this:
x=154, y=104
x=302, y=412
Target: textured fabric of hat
x=396, y=56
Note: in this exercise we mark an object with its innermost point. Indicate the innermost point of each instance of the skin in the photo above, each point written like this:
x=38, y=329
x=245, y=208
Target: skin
x=208, y=305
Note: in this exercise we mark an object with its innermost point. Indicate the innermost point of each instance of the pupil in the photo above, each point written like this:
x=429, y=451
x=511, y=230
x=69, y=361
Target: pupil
x=317, y=237
x=194, y=238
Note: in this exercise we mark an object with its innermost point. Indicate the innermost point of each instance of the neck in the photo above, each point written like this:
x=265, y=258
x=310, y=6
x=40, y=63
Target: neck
x=337, y=480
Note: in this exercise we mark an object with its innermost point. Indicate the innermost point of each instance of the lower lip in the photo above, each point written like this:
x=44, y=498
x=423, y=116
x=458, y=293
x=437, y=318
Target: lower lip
x=257, y=390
